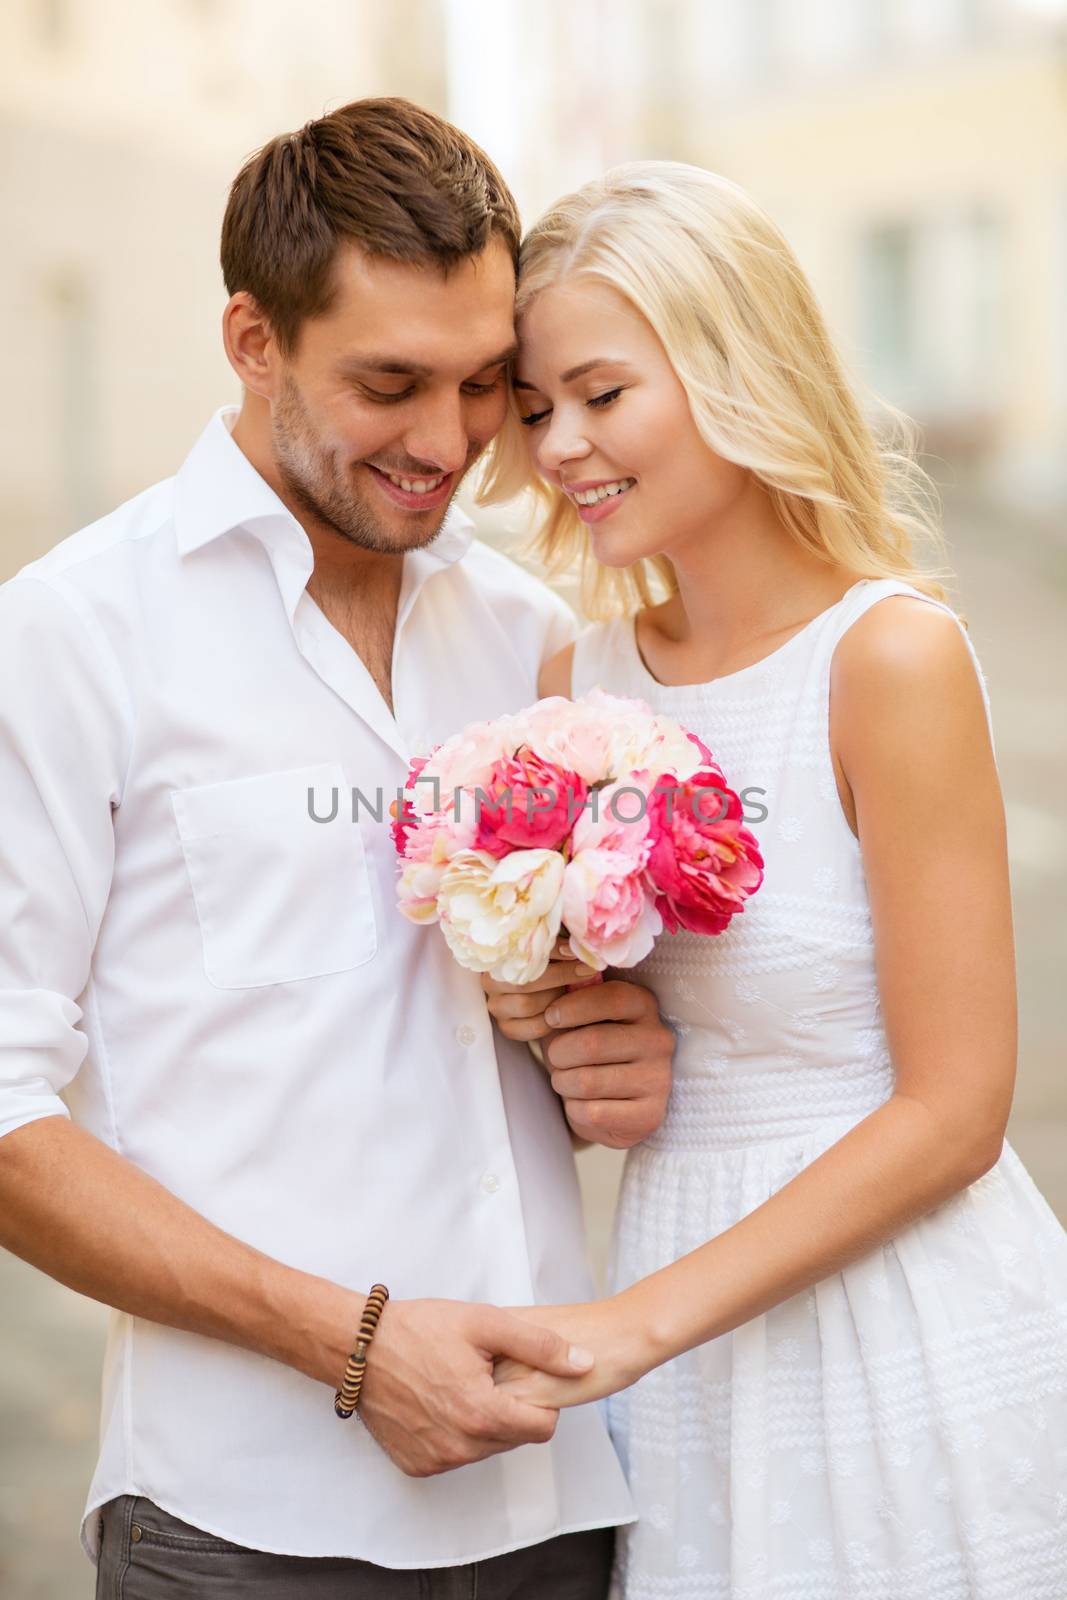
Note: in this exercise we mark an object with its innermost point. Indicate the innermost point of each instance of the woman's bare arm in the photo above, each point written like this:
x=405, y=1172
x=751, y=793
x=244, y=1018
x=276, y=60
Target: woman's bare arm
x=909, y=726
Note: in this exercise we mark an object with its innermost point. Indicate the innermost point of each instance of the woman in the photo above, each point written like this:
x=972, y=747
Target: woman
x=842, y=1295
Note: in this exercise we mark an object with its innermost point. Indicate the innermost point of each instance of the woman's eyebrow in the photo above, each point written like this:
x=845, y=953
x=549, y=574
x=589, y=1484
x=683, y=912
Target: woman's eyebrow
x=588, y=366
x=575, y=372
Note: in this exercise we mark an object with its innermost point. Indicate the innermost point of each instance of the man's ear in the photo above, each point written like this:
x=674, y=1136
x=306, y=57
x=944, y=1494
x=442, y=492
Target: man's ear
x=251, y=347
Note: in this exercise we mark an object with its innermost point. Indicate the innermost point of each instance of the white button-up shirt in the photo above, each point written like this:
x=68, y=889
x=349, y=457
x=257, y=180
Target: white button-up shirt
x=223, y=990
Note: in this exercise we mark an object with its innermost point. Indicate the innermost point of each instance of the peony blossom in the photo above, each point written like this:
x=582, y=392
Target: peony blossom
x=704, y=862
x=502, y=917
x=654, y=745
x=402, y=811
x=526, y=804
x=611, y=920
x=572, y=734
x=465, y=760
x=585, y=816
x=429, y=843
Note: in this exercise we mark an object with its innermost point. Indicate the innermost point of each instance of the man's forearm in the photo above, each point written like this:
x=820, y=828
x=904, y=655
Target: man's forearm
x=72, y=1207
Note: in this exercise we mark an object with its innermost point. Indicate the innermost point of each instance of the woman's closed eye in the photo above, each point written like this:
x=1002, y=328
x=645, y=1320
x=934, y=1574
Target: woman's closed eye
x=531, y=418
x=606, y=398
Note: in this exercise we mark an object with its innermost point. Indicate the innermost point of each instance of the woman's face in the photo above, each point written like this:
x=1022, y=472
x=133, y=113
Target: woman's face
x=609, y=423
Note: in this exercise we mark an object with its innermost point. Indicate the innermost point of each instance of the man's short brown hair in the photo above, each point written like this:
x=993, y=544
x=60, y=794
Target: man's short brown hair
x=384, y=174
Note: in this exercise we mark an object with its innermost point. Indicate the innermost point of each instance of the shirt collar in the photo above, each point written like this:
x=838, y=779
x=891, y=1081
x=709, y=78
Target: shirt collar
x=217, y=489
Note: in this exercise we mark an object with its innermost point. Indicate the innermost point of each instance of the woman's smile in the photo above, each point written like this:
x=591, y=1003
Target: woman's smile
x=594, y=500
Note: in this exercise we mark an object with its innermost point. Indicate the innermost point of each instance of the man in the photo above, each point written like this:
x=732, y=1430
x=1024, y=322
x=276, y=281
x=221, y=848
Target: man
x=280, y=1090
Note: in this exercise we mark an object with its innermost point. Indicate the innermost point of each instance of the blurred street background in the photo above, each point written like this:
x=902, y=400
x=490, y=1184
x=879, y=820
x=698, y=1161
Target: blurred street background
x=915, y=151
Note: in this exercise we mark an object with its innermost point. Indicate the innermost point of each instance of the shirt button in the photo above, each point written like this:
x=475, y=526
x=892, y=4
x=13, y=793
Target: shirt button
x=466, y=1034
x=490, y=1183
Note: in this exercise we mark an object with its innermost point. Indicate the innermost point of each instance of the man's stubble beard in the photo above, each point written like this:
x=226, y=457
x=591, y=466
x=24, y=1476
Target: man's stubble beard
x=312, y=479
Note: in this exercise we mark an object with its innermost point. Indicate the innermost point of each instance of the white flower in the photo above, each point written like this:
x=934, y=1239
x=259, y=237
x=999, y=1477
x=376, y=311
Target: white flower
x=635, y=745
x=502, y=917
x=417, y=890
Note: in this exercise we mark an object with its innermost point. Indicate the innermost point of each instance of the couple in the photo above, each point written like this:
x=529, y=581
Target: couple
x=834, y=1347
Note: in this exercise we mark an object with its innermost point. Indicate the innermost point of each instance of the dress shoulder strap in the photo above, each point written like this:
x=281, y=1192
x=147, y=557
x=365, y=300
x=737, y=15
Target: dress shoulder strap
x=865, y=595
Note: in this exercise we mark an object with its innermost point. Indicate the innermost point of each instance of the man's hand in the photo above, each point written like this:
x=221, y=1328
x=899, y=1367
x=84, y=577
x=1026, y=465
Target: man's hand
x=609, y=1057
x=429, y=1397
x=604, y=1043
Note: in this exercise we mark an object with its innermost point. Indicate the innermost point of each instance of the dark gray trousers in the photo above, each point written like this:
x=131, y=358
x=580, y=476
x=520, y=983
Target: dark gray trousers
x=146, y=1554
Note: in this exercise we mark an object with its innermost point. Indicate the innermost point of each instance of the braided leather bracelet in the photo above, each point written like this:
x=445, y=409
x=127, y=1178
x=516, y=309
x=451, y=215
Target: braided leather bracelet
x=346, y=1399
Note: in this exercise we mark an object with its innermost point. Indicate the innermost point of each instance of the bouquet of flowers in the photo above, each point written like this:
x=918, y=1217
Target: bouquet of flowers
x=592, y=819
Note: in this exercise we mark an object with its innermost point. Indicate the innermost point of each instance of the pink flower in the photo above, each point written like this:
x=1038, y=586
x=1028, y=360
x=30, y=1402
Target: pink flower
x=705, y=754
x=531, y=805
x=607, y=910
x=703, y=861
x=572, y=734
x=466, y=759
x=426, y=842
x=403, y=813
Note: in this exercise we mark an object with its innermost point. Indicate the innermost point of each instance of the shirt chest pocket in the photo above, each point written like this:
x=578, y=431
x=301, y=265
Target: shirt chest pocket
x=279, y=896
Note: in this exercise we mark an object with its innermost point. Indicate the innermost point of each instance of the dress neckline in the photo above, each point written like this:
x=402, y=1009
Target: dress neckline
x=630, y=634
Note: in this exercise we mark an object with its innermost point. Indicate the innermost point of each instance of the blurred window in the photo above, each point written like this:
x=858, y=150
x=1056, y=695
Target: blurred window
x=53, y=23
x=926, y=23
x=763, y=38
x=931, y=315
x=77, y=397
x=963, y=313
x=833, y=34
x=888, y=306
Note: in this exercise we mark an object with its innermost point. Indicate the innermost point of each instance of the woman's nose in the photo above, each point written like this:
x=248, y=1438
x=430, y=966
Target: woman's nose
x=561, y=442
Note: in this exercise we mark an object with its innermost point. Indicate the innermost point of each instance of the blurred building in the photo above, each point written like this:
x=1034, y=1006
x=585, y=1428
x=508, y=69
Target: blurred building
x=121, y=128
x=916, y=153
x=914, y=150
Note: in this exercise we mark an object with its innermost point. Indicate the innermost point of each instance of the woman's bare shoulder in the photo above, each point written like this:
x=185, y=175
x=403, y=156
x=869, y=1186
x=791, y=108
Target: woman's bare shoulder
x=555, y=674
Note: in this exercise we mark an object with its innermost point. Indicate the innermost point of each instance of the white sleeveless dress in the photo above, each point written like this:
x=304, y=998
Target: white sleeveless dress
x=898, y=1432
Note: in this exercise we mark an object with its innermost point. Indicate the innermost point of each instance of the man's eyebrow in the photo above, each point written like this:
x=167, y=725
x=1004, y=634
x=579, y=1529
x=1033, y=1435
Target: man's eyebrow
x=388, y=364
x=395, y=366
x=575, y=372
x=502, y=359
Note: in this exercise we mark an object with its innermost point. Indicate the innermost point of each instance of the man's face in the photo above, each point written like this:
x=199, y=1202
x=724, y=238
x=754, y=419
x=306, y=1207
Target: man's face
x=402, y=382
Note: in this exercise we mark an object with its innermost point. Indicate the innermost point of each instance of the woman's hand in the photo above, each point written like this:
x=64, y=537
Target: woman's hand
x=518, y=1009
x=622, y=1348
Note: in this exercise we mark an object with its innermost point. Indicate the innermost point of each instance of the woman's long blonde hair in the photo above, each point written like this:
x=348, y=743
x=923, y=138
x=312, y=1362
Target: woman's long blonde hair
x=725, y=295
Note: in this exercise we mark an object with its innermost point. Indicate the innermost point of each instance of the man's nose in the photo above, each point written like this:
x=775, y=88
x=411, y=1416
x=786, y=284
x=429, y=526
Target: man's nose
x=438, y=434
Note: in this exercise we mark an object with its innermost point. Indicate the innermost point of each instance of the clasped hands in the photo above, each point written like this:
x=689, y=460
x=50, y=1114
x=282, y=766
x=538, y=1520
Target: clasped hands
x=449, y=1383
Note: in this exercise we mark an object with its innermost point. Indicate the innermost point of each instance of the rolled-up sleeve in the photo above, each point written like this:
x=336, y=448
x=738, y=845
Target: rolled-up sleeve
x=64, y=738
